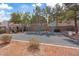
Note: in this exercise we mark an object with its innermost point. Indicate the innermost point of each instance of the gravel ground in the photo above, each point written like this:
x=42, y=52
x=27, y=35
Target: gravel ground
x=19, y=48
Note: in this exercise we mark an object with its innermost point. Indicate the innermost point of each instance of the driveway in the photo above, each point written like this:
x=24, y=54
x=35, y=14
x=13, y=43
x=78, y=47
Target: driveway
x=55, y=38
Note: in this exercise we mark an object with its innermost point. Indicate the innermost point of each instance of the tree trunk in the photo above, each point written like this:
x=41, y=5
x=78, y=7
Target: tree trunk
x=76, y=25
x=56, y=23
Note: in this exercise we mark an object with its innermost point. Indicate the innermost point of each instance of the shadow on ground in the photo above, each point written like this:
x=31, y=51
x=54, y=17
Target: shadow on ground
x=74, y=41
x=3, y=45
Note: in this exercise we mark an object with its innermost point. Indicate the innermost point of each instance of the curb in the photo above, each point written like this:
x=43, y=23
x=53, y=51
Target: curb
x=52, y=45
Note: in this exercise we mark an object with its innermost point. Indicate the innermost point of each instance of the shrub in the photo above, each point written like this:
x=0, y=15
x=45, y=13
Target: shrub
x=2, y=31
x=33, y=45
x=6, y=38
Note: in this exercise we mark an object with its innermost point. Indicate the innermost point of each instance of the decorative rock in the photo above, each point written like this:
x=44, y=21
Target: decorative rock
x=70, y=33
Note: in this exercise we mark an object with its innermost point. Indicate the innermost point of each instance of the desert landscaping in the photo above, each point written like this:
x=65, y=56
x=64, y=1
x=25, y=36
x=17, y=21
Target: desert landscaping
x=39, y=29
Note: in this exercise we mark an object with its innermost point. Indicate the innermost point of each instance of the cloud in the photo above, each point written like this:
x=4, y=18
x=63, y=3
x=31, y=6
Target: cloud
x=4, y=15
x=37, y=4
x=53, y=4
x=5, y=6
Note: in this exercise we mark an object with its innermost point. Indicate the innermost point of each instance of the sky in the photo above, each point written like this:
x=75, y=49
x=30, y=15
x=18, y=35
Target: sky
x=6, y=9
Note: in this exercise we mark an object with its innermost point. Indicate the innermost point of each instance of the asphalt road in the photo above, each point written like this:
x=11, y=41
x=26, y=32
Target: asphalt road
x=55, y=38
x=47, y=38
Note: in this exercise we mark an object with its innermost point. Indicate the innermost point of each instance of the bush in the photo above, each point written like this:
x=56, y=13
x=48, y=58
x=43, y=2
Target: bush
x=33, y=45
x=2, y=31
x=6, y=38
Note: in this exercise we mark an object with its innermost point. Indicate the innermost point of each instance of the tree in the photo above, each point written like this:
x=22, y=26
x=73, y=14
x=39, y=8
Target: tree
x=69, y=15
x=58, y=15
x=15, y=18
x=48, y=14
x=26, y=18
x=21, y=18
x=74, y=7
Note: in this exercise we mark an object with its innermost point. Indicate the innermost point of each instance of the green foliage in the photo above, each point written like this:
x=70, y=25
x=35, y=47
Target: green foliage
x=70, y=14
x=40, y=20
x=37, y=9
x=15, y=18
x=59, y=14
x=71, y=10
x=47, y=14
x=20, y=18
x=40, y=16
x=26, y=19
